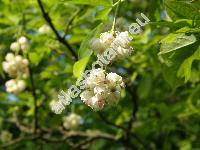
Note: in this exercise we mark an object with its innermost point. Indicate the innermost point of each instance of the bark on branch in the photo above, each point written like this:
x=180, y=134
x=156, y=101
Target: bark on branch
x=61, y=39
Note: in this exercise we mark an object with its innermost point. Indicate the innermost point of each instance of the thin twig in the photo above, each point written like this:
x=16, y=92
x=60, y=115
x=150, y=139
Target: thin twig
x=61, y=39
x=71, y=19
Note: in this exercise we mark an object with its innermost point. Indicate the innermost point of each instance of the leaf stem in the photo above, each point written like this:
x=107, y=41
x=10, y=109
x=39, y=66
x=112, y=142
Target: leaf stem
x=114, y=21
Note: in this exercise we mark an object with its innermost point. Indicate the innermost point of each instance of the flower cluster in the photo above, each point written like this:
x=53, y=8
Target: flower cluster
x=21, y=43
x=17, y=67
x=119, y=42
x=101, y=89
x=15, y=86
x=72, y=121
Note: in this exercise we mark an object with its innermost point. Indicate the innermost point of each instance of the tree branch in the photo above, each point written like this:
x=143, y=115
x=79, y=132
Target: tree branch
x=18, y=140
x=90, y=135
x=61, y=39
x=134, y=99
x=35, y=99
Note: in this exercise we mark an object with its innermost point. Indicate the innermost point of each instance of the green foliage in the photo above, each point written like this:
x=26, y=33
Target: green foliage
x=79, y=66
x=175, y=41
x=85, y=49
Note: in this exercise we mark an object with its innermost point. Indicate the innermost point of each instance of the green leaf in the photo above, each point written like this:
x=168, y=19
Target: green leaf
x=180, y=23
x=79, y=66
x=102, y=14
x=169, y=74
x=34, y=58
x=84, y=50
x=186, y=67
x=182, y=9
x=91, y=2
x=175, y=41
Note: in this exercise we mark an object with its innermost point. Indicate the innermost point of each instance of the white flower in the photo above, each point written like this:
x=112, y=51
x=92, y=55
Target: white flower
x=119, y=42
x=56, y=106
x=21, y=85
x=103, y=89
x=18, y=59
x=114, y=95
x=123, y=52
x=122, y=39
x=25, y=62
x=5, y=136
x=114, y=79
x=15, y=86
x=15, y=66
x=25, y=46
x=10, y=57
x=5, y=66
x=97, y=102
x=97, y=46
x=106, y=39
x=121, y=45
x=97, y=76
x=72, y=121
x=44, y=29
x=86, y=95
x=99, y=89
x=15, y=46
x=22, y=40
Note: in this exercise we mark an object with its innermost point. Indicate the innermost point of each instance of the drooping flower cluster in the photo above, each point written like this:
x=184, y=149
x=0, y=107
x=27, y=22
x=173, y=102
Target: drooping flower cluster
x=101, y=89
x=72, y=121
x=21, y=43
x=17, y=67
x=119, y=42
x=15, y=86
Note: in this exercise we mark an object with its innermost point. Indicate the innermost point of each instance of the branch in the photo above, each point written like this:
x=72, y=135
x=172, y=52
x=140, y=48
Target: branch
x=23, y=128
x=49, y=21
x=134, y=106
x=18, y=140
x=73, y=133
x=92, y=135
x=35, y=99
x=134, y=99
x=127, y=137
x=71, y=19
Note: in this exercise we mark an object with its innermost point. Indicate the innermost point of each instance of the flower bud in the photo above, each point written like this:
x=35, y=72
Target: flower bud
x=22, y=40
x=15, y=46
x=106, y=39
x=10, y=57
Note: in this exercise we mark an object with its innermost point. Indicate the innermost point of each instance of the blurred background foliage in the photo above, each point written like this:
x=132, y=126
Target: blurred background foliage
x=162, y=75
